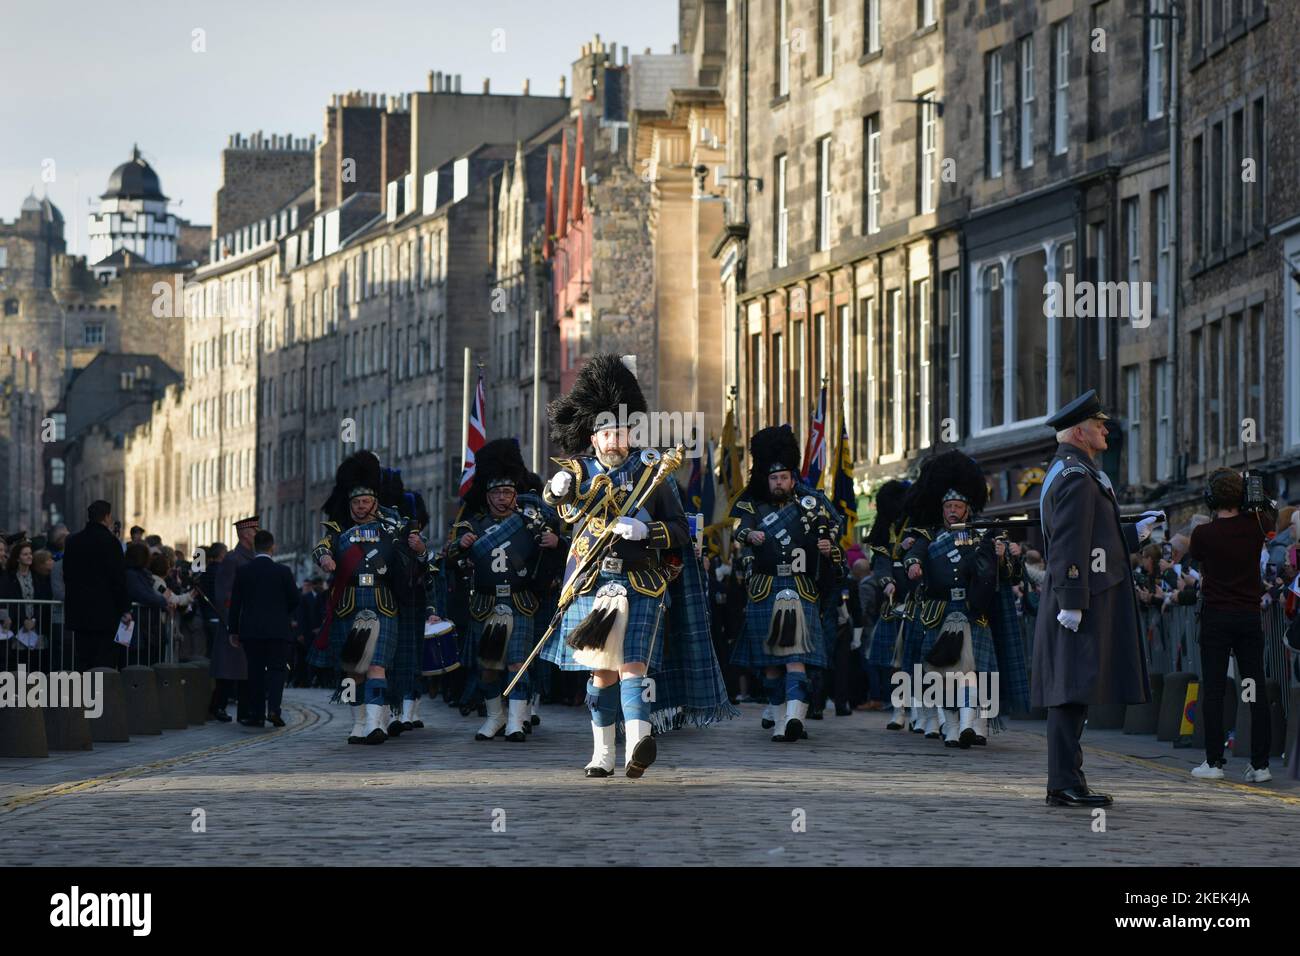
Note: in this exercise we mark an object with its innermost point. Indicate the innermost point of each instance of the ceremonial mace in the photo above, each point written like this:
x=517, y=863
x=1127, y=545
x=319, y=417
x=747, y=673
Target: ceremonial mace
x=669, y=462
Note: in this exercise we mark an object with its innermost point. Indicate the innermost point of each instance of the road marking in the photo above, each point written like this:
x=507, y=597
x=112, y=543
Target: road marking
x=310, y=718
x=1179, y=772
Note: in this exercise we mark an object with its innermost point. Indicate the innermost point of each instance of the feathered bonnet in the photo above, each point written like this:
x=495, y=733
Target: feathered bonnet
x=606, y=389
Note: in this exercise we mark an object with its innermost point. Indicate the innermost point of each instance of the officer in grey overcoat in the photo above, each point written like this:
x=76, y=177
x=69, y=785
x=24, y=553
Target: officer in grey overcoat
x=1087, y=645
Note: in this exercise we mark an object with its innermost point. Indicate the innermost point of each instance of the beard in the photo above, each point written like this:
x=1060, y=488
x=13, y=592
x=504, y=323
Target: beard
x=781, y=496
x=612, y=458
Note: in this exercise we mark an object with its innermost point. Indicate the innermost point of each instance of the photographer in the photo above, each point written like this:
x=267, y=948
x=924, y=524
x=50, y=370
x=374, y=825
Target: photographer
x=1228, y=551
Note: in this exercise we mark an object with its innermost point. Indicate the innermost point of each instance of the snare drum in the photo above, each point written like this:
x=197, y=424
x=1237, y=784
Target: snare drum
x=439, y=655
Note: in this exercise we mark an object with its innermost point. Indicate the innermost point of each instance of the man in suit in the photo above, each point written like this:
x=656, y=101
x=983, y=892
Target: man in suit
x=229, y=666
x=94, y=575
x=1087, y=645
x=261, y=602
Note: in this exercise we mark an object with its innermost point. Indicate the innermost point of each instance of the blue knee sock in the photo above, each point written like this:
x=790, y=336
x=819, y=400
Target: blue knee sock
x=523, y=688
x=603, y=704
x=635, y=706
x=796, y=686
x=492, y=689
x=775, y=687
x=376, y=688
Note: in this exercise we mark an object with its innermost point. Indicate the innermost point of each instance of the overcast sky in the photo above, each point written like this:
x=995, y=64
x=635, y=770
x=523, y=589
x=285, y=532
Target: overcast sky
x=82, y=81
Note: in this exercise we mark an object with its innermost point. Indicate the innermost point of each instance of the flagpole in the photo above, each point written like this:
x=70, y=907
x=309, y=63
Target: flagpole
x=537, y=391
x=464, y=413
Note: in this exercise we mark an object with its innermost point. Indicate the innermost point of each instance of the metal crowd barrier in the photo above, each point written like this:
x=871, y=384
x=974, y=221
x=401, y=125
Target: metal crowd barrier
x=35, y=638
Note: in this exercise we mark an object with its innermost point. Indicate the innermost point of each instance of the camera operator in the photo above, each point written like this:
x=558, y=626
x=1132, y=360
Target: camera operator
x=1228, y=551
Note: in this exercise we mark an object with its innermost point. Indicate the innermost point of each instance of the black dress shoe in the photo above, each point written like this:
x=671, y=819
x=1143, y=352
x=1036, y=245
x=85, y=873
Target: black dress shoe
x=814, y=715
x=843, y=710
x=276, y=720
x=968, y=738
x=597, y=772
x=1078, y=797
x=220, y=715
x=642, y=757
x=251, y=722
x=395, y=728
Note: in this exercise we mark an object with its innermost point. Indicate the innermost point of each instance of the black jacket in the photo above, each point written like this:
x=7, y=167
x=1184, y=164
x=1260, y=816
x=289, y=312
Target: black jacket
x=94, y=574
x=263, y=598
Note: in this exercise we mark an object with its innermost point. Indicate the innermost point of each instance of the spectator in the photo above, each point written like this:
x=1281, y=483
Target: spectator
x=22, y=583
x=137, y=535
x=152, y=606
x=262, y=600
x=94, y=569
x=58, y=539
x=228, y=661
x=154, y=543
x=1228, y=549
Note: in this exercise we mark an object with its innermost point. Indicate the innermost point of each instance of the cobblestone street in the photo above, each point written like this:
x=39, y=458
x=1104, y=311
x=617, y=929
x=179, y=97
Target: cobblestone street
x=725, y=795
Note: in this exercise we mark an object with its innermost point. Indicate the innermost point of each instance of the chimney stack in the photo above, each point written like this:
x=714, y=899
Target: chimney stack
x=562, y=85
x=525, y=87
x=457, y=82
x=487, y=85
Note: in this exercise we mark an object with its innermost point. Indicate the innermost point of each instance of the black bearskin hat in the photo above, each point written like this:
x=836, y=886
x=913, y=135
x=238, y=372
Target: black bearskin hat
x=359, y=473
x=771, y=449
x=949, y=471
x=499, y=462
x=603, y=384
x=890, y=498
x=393, y=494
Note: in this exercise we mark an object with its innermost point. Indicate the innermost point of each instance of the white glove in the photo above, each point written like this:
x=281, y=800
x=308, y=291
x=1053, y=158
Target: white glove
x=1070, y=619
x=561, y=483
x=631, y=529
x=1148, y=519
x=857, y=639
x=720, y=571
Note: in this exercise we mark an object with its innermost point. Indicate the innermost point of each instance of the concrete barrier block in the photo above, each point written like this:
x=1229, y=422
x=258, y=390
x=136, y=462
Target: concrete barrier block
x=1144, y=718
x=22, y=732
x=171, y=695
x=197, y=691
x=111, y=726
x=1106, y=716
x=1171, y=705
x=140, y=687
x=66, y=728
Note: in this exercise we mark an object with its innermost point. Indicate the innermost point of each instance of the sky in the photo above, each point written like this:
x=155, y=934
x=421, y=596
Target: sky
x=82, y=81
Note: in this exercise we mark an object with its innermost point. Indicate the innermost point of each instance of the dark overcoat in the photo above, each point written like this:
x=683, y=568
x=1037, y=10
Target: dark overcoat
x=228, y=663
x=1088, y=569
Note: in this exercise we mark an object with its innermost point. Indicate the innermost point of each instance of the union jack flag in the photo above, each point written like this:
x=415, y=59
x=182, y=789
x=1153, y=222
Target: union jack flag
x=475, y=439
x=814, y=455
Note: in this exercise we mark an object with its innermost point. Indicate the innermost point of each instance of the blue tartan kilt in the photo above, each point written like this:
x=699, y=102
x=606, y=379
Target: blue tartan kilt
x=644, y=627
x=385, y=646
x=981, y=640
x=913, y=638
x=749, y=652
x=404, y=675
x=517, y=648
x=883, y=637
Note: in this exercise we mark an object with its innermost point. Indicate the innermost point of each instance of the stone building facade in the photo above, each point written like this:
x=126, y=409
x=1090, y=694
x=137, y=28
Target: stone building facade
x=678, y=142
x=905, y=184
x=1239, y=341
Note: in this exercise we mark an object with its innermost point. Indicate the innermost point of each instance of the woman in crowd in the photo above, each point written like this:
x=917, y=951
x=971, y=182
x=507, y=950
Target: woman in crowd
x=153, y=606
x=20, y=584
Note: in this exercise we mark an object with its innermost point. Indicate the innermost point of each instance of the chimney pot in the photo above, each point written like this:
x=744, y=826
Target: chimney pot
x=525, y=87
x=457, y=82
x=625, y=56
x=487, y=85
x=562, y=84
